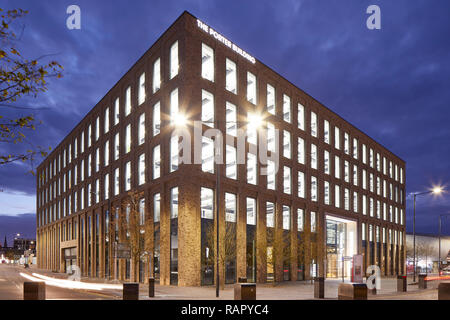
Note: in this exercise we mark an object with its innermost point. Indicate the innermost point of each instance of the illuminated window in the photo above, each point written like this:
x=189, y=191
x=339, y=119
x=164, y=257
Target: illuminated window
x=116, y=111
x=174, y=203
x=97, y=128
x=251, y=211
x=128, y=176
x=141, y=169
x=346, y=199
x=313, y=156
x=270, y=99
x=105, y=125
x=337, y=143
x=156, y=162
x=287, y=180
x=81, y=149
x=141, y=92
x=346, y=171
x=128, y=138
x=89, y=139
x=156, y=207
x=270, y=215
x=286, y=144
x=106, y=186
x=271, y=142
x=156, y=119
x=174, y=104
x=231, y=119
x=371, y=157
x=364, y=179
x=337, y=196
x=337, y=167
x=128, y=101
x=301, y=150
x=313, y=221
x=174, y=60
x=313, y=124
x=313, y=188
x=174, y=153
x=326, y=198
x=208, y=108
x=141, y=131
x=301, y=184
x=97, y=159
x=231, y=76
x=286, y=108
x=364, y=154
x=89, y=168
x=364, y=204
x=326, y=131
x=271, y=175
x=355, y=175
x=156, y=75
x=346, y=143
x=251, y=87
x=300, y=219
x=301, y=116
x=355, y=148
x=207, y=62
x=207, y=203
x=251, y=168
x=326, y=162
x=231, y=160
x=116, y=181
x=207, y=155
x=286, y=218
x=116, y=146
x=355, y=202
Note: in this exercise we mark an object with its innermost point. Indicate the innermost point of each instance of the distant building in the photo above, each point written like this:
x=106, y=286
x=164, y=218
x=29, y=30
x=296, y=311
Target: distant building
x=427, y=252
x=22, y=244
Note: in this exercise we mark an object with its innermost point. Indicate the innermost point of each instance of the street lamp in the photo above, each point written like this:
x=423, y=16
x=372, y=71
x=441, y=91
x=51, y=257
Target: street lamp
x=440, y=226
x=435, y=190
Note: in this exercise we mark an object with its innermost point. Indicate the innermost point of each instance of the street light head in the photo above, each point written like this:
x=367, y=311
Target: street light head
x=437, y=190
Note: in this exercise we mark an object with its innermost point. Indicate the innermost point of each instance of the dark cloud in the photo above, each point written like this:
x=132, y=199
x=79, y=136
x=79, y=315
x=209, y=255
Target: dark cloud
x=392, y=83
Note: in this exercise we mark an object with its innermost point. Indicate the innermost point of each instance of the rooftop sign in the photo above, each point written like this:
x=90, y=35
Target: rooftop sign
x=225, y=41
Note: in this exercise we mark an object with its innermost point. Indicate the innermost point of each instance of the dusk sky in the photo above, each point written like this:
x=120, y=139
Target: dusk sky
x=393, y=83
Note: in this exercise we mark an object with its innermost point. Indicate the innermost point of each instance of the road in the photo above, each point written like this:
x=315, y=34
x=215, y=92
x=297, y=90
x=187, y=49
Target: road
x=11, y=287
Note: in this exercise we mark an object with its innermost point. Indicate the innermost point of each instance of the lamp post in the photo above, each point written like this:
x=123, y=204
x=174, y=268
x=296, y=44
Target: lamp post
x=440, y=229
x=436, y=190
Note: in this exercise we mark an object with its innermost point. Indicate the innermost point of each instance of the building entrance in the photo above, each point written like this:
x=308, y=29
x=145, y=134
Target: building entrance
x=340, y=246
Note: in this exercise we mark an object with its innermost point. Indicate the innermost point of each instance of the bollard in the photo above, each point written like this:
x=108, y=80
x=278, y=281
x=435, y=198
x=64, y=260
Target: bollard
x=242, y=280
x=34, y=290
x=352, y=291
x=151, y=287
x=422, y=281
x=319, y=287
x=401, y=284
x=444, y=291
x=131, y=291
x=245, y=291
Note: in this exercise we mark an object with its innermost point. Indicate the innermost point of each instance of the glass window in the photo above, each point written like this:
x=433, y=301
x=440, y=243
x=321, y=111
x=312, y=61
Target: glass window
x=286, y=144
x=355, y=202
x=207, y=203
x=313, y=221
x=141, y=91
x=156, y=75
x=230, y=207
x=346, y=199
x=128, y=139
x=337, y=167
x=364, y=204
x=207, y=155
x=301, y=150
x=207, y=62
x=271, y=139
x=128, y=101
x=270, y=215
x=231, y=160
x=231, y=119
x=116, y=181
x=141, y=169
x=106, y=186
x=355, y=148
x=326, y=162
x=141, y=132
x=355, y=175
x=313, y=124
x=116, y=146
x=174, y=203
x=337, y=196
x=270, y=99
x=174, y=104
x=128, y=176
x=346, y=143
x=287, y=180
x=326, y=198
x=301, y=116
x=346, y=171
x=231, y=76
x=251, y=211
x=300, y=219
x=156, y=162
x=174, y=153
x=251, y=87
x=364, y=154
x=271, y=175
x=208, y=108
x=286, y=108
x=326, y=131
x=156, y=119
x=116, y=111
x=301, y=184
x=313, y=188
x=337, y=143
x=313, y=156
x=251, y=168
x=156, y=207
x=97, y=161
x=174, y=60
x=286, y=218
